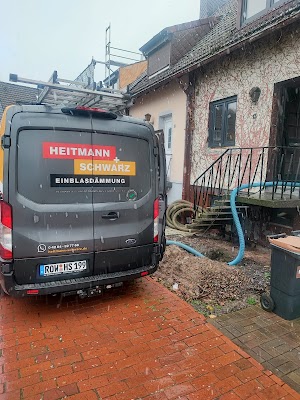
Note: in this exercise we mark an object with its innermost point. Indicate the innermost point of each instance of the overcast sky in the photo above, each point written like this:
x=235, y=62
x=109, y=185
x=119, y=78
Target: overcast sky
x=38, y=36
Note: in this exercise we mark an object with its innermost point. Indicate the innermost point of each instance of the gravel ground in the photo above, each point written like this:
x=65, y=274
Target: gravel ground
x=209, y=284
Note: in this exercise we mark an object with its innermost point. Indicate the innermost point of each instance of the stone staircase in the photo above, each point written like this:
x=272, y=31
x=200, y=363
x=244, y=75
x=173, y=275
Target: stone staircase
x=217, y=215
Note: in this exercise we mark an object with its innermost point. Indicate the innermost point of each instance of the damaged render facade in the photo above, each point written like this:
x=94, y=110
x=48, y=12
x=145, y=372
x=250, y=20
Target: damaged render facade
x=260, y=126
x=263, y=64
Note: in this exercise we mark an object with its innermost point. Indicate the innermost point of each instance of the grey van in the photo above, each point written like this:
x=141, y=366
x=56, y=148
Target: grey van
x=83, y=200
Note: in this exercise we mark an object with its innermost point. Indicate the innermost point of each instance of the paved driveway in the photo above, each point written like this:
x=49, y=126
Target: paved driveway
x=138, y=342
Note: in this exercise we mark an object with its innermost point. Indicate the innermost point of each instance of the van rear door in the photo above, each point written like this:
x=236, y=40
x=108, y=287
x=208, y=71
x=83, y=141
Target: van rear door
x=124, y=202
x=52, y=212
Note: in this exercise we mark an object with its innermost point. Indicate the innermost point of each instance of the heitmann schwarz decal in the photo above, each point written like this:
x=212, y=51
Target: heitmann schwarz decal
x=70, y=151
x=94, y=165
x=62, y=180
x=83, y=167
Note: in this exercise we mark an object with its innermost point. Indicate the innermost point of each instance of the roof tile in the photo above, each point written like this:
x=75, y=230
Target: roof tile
x=223, y=35
x=13, y=94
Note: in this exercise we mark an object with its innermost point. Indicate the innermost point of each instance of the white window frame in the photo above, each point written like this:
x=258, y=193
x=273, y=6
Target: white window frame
x=270, y=4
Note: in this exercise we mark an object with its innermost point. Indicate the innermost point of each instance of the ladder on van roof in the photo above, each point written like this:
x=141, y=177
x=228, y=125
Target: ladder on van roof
x=64, y=92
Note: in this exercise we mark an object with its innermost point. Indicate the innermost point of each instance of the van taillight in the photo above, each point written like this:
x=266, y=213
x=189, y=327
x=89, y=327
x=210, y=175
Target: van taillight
x=155, y=220
x=5, y=231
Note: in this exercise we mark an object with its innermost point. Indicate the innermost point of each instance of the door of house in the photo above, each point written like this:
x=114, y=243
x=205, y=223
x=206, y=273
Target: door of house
x=168, y=127
x=291, y=133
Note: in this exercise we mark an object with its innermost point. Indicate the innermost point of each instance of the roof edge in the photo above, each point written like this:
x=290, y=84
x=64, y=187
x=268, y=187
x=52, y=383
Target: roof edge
x=163, y=36
x=288, y=20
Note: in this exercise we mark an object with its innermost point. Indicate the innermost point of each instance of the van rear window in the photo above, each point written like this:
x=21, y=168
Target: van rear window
x=72, y=167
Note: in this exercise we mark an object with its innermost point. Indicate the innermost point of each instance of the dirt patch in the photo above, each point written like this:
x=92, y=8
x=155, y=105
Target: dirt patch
x=210, y=284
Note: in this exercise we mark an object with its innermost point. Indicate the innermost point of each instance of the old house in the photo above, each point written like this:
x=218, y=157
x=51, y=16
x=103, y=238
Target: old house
x=243, y=107
x=246, y=112
x=163, y=101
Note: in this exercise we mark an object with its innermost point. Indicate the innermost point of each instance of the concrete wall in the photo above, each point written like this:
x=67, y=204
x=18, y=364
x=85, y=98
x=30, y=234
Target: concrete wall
x=261, y=64
x=170, y=99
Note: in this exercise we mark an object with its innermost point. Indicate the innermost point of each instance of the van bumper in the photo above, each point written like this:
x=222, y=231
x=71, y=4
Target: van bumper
x=72, y=285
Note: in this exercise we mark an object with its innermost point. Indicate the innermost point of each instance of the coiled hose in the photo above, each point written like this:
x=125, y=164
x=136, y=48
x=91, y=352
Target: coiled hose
x=175, y=210
x=236, y=219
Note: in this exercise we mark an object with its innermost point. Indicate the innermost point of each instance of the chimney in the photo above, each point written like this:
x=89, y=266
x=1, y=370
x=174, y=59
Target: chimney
x=209, y=7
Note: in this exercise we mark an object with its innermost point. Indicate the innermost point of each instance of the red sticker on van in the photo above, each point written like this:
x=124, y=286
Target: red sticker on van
x=72, y=151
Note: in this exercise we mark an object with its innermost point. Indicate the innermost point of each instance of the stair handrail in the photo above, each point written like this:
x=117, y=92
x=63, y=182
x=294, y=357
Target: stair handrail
x=211, y=165
x=200, y=183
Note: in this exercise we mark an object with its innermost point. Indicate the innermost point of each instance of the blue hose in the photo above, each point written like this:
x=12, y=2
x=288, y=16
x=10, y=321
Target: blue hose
x=236, y=220
x=185, y=247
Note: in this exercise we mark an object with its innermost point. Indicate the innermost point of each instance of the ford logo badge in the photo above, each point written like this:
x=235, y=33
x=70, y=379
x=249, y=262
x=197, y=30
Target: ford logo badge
x=130, y=241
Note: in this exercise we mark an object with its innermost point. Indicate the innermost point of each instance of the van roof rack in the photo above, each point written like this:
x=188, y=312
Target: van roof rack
x=64, y=92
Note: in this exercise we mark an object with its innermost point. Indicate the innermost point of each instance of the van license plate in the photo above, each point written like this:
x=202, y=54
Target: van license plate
x=63, y=268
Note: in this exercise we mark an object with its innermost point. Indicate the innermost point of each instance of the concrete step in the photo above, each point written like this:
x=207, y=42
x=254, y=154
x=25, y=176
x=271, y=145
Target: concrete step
x=220, y=221
x=206, y=224
x=216, y=208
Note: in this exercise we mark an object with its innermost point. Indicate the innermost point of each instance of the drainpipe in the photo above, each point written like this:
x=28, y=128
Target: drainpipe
x=189, y=132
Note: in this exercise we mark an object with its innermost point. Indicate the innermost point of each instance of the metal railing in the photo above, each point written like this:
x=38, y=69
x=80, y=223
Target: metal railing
x=238, y=166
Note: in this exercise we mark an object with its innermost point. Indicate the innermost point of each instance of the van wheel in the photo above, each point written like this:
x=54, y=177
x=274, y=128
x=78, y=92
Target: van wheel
x=266, y=302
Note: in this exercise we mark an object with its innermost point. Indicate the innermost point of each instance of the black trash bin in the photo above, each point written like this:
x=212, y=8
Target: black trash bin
x=284, y=298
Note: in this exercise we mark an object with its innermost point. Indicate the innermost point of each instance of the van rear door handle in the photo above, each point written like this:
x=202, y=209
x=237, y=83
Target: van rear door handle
x=111, y=215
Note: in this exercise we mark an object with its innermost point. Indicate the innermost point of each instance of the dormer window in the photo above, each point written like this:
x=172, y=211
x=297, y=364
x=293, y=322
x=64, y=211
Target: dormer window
x=159, y=60
x=167, y=47
x=251, y=9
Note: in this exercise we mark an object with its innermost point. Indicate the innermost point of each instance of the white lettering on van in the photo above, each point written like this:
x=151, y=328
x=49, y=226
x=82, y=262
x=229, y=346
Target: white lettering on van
x=90, y=153
x=62, y=151
x=53, y=150
x=106, y=167
x=97, y=167
x=82, y=152
x=127, y=168
x=83, y=167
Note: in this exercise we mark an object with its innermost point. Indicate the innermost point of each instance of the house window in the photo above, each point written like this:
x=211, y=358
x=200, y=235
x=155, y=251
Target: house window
x=222, y=122
x=251, y=9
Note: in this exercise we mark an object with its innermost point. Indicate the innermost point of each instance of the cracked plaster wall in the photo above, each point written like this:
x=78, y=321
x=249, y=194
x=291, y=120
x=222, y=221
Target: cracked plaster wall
x=264, y=63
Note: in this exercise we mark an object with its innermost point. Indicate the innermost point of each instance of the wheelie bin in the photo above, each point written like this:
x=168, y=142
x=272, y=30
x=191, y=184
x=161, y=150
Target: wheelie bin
x=284, y=297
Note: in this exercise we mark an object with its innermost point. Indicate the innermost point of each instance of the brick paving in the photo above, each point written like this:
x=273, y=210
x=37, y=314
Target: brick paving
x=271, y=340
x=138, y=342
